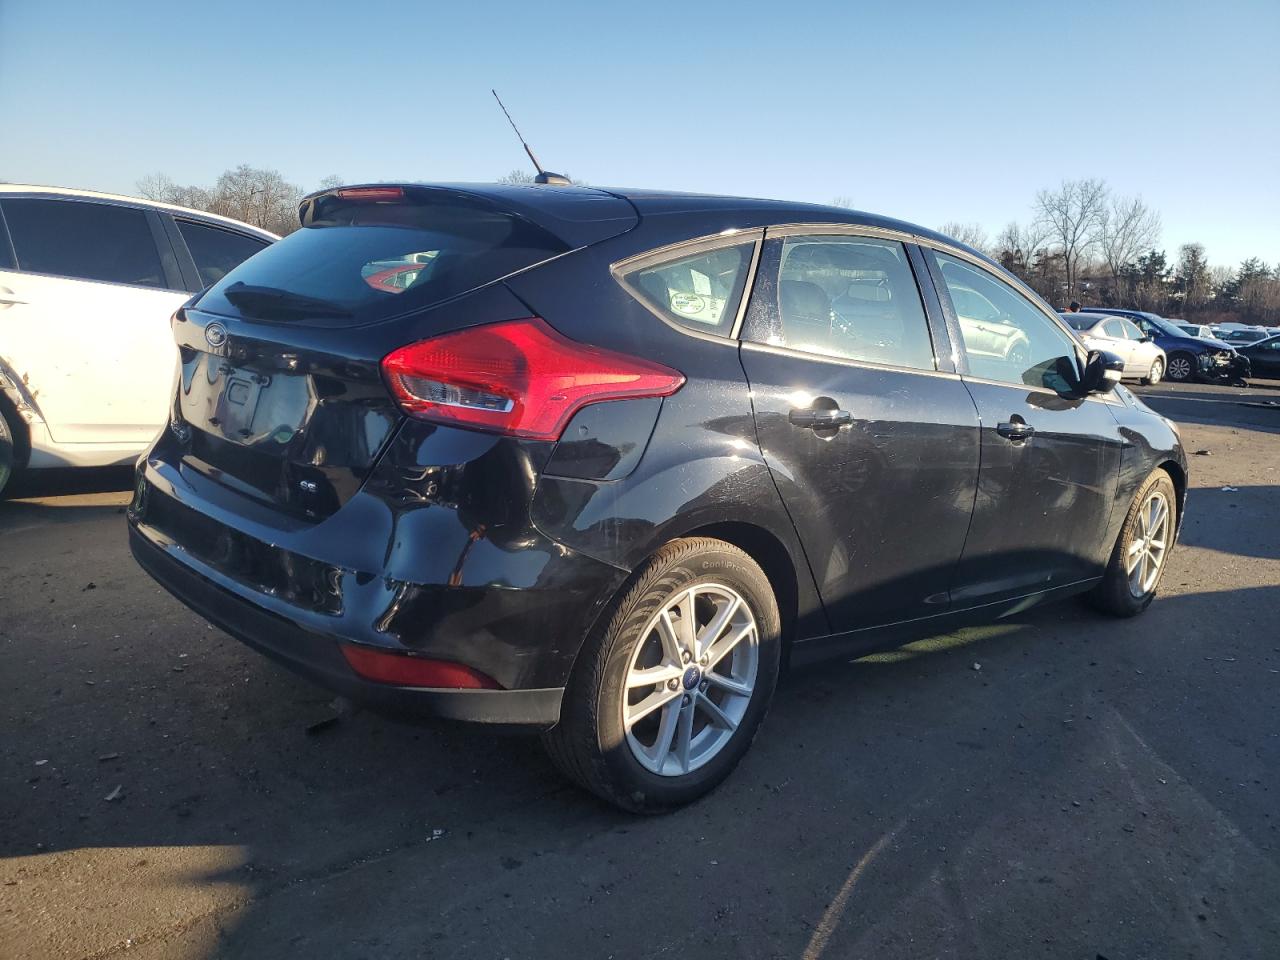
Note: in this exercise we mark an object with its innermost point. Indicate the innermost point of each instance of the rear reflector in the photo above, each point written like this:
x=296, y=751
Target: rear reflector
x=371, y=193
x=519, y=378
x=405, y=670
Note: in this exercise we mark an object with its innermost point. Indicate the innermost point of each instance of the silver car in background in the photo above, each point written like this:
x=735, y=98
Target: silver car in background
x=1143, y=360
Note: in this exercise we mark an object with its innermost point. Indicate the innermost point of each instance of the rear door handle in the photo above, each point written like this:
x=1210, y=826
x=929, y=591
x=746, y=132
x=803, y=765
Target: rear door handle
x=8, y=299
x=1015, y=430
x=820, y=419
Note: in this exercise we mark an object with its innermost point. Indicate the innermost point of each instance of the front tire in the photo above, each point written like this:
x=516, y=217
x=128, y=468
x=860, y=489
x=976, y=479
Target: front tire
x=9, y=464
x=1181, y=368
x=1156, y=374
x=1141, y=552
x=667, y=698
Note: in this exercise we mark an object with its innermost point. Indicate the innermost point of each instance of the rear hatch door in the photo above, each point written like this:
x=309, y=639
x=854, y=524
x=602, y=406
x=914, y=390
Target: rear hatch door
x=281, y=395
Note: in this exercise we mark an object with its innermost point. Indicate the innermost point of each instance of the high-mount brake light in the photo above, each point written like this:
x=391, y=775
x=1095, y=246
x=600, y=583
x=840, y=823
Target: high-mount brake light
x=370, y=193
x=519, y=377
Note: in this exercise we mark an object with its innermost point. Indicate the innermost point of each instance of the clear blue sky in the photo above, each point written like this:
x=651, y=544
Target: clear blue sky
x=922, y=110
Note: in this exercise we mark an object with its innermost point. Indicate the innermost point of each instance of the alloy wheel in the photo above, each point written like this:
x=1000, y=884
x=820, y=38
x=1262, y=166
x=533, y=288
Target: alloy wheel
x=1179, y=368
x=690, y=679
x=1149, y=545
x=1157, y=371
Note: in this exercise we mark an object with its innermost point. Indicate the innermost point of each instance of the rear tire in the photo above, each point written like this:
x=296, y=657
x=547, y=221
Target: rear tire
x=1156, y=373
x=1141, y=553
x=1181, y=368
x=648, y=728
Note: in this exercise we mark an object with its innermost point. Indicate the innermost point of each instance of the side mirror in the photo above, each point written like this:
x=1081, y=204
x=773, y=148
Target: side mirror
x=1146, y=339
x=1102, y=371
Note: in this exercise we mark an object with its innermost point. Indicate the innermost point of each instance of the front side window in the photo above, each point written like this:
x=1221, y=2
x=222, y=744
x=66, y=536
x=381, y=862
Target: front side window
x=85, y=241
x=699, y=291
x=852, y=298
x=1005, y=337
x=216, y=252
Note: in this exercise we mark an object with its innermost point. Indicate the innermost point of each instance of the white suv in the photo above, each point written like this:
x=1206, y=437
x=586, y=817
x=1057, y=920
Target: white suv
x=88, y=282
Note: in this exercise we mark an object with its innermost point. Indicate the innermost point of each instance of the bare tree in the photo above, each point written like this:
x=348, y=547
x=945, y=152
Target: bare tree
x=517, y=176
x=162, y=188
x=843, y=200
x=257, y=196
x=1129, y=227
x=331, y=181
x=1018, y=246
x=1073, y=216
x=970, y=234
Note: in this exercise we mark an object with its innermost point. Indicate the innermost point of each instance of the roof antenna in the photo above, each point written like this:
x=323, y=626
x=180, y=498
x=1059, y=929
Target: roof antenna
x=543, y=176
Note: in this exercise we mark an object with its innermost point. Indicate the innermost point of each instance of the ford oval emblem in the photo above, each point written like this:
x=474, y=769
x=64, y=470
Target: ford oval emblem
x=215, y=334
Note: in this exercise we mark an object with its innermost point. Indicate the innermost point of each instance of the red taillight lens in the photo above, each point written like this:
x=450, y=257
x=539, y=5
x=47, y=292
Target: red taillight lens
x=371, y=193
x=518, y=377
x=408, y=671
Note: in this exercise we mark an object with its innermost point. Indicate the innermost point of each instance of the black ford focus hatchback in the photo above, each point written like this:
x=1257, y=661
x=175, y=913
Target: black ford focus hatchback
x=600, y=463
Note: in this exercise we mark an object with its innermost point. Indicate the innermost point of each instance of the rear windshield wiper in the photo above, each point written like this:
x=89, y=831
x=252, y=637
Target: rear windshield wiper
x=269, y=300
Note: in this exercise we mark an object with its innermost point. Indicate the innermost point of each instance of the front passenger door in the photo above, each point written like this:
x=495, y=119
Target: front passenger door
x=1050, y=462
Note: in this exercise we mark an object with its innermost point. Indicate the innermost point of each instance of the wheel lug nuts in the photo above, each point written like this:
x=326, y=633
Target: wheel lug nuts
x=684, y=702
x=703, y=661
x=686, y=656
x=673, y=684
x=703, y=686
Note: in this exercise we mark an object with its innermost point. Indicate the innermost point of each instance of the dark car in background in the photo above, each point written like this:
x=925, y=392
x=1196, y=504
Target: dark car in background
x=607, y=461
x=1264, y=357
x=1187, y=357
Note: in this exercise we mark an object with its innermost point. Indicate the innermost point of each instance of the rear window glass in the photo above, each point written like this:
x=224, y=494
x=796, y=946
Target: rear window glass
x=356, y=261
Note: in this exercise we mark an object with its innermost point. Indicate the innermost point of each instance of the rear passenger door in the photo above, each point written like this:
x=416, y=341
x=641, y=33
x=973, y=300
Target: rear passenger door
x=871, y=437
x=97, y=283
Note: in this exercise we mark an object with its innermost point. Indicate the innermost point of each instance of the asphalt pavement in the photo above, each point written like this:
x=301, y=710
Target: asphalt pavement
x=1058, y=785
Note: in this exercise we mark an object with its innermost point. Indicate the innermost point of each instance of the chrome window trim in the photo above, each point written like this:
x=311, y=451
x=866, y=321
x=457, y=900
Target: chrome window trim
x=843, y=361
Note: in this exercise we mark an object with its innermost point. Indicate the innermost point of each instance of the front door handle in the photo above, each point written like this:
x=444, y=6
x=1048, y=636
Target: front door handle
x=7, y=297
x=820, y=419
x=1016, y=430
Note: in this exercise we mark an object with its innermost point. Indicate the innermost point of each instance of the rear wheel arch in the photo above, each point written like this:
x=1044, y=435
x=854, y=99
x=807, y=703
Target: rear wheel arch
x=758, y=543
x=773, y=558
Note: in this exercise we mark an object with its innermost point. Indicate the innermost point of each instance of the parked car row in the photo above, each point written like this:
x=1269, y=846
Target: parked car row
x=88, y=282
x=1187, y=357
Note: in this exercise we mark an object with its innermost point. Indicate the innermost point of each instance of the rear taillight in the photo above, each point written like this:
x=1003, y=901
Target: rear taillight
x=519, y=377
x=405, y=670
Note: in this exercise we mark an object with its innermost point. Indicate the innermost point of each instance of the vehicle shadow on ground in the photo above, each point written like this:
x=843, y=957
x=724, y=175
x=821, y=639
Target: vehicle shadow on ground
x=362, y=837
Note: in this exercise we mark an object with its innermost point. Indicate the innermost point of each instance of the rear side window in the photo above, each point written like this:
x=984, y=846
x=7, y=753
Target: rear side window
x=378, y=253
x=83, y=240
x=853, y=298
x=700, y=291
x=216, y=252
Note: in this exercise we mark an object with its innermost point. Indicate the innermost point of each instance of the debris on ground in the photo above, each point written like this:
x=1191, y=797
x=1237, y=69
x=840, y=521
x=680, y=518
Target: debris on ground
x=977, y=666
x=1203, y=453
x=109, y=756
x=115, y=794
x=1230, y=489
x=89, y=586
